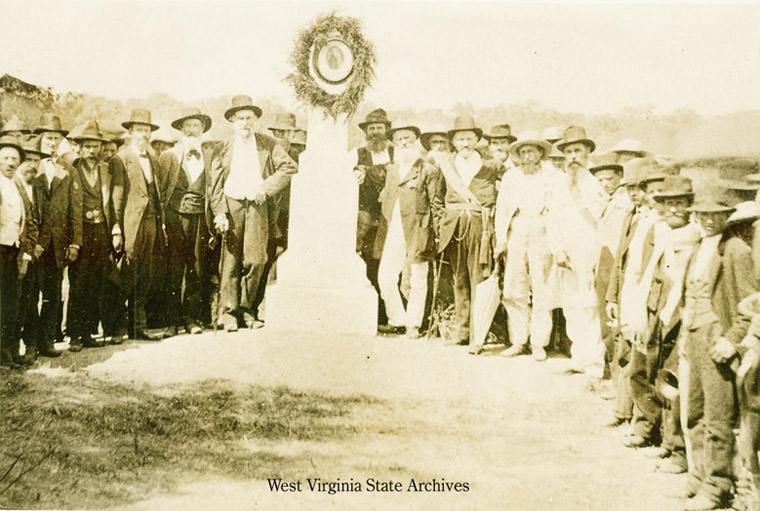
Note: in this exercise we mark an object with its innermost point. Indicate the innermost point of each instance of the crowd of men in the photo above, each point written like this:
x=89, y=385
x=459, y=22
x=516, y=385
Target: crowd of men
x=161, y=233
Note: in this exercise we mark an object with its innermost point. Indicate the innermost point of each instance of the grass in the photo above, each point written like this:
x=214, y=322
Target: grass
x=78, y=442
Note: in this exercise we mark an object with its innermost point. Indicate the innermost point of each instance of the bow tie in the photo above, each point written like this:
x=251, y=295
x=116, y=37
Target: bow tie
x=193, y=153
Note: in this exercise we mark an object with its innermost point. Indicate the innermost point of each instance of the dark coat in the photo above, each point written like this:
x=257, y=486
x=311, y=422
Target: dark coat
x=276, y=170
x=105, y=190
x=61, y=211
x=374, y=181
x=130, y=193
x=415, y=194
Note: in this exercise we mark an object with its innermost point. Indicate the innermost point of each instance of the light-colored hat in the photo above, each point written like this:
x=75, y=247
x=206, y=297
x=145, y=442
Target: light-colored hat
x=741, y=185
x=139, y=116
x=552, y=134
x=192, y=113
x=576, y=135
x=709, y=204
x=629, y=145
x=530, y=138
x=556, y=153
x=242, y=102
x=50, y=122
x=748, y=211
x=607, y=161
x=31, y=145
x=15, y=124
x=675, y=186
x=87, y=131
x=403, y=124
x=285, y=122
x=299, y=137
x=500, y=131
x=465, y=123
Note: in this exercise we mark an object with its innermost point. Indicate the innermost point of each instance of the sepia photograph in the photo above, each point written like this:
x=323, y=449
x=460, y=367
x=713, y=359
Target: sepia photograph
x=379, y=255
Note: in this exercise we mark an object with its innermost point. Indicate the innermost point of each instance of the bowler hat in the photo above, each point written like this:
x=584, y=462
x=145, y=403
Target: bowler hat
x=607, y=161
x=404, y=125
x=11, y=141
x=465, y=123
x=425, y=136
x=674, y=186
x=629, y=145
x=31, y=145
x=15, y=124
x=530, y=138
x=50, y=122
x=286, y=122
x=139, y=116
x=88, y=131
x=500, y=131
x=377, y=116
x=192, y=113
x=748, y=211
x=576, y=135
x=242, y=102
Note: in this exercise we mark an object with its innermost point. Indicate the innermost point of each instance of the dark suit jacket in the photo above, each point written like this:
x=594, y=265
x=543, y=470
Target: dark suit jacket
x=170, y=166
x=61, y=211
x=32, y=215
x=374, y=181
x=130, y=193
x=276, y=170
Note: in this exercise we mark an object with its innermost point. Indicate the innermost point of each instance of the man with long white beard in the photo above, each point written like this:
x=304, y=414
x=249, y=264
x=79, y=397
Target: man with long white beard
x=406, y=199
x=139, y=225
x=574, y=225
x=523, y=207
x=185, y=184
x=464, y=202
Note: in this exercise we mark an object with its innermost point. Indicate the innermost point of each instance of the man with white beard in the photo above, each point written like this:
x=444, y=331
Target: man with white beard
x=523, y=207
x=185, y=185
x=410, y=186
x=574, y=223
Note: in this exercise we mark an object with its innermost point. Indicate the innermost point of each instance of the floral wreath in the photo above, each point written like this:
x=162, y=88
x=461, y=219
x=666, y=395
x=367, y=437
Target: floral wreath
x=306, y=87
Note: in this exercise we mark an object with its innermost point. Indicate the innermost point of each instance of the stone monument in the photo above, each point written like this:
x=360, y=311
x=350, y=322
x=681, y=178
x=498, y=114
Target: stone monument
x=321, y=280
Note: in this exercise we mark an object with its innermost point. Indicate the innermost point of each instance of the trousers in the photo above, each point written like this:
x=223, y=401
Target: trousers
x=188, y=246
x=87, y=277
x=10, y=289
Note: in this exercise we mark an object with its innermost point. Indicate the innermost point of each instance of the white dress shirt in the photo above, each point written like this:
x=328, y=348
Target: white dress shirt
x=468, y=167
x=11, y=213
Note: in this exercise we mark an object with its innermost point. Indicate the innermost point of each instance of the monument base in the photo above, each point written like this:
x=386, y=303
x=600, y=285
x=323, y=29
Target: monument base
x=336, y=310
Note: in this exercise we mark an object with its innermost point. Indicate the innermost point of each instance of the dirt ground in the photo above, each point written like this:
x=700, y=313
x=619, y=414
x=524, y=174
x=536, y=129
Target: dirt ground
x=521, y=437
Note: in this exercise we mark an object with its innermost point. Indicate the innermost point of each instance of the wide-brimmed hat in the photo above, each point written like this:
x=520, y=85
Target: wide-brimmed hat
x=242, y=102
x=284, y=122
x=87, y=131
x=31, y=145
x=50, y=122
x=377, y=116
x=299, y=137
x=11, y=141
x=552, y=134
x=675, y=186
x=436, y=130
x=465, y=123
x=139, y=116
x=748, y=211
x=629, y=145
x=555, y=152
x=741, y=185
x=404, y=124
x=530, y=138
x=164, y=135
x=709, y=204
x=192, y=113
x=15, y=124
x=576, y=135
x=500, y=131
x=635, y=170
x=607, y=161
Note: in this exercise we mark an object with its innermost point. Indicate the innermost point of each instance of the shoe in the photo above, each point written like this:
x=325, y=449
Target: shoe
x=230, y=327
x=614, y=422
x=30, y=357
x=171, y=331
x=514, y=350
x=413, y=332
x=390, y=330
x=568, y=371
x=48, y=350
x=475, y=349
x=193, y=329
x=75, y=345
x=144, y=335
x=657, y=453
x=635, y=441
x=539, y=354
x=6, y=360
x=89, y=342
x=670, y=466
x=701, y=502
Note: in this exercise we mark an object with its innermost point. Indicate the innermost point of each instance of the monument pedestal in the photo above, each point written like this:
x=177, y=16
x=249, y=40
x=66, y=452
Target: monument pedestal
x=321, y=281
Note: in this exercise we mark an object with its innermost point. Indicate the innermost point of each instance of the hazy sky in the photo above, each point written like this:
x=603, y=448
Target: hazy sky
x=593, y=58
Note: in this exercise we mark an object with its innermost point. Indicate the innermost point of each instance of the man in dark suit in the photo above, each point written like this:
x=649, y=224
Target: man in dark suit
x=17, y=232
x=253, y=168
x=464, y=205
x=185, y=190
x=138, y=226
x=61, y=227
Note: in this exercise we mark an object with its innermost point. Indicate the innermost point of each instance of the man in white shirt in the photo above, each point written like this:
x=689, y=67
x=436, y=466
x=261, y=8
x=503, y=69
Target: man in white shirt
x=252, y=168
x=523, y=207
x=15, y=250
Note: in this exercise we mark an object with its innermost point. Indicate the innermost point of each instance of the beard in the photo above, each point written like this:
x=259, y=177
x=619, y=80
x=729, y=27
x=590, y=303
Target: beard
x=406, y=155
x=377, y=142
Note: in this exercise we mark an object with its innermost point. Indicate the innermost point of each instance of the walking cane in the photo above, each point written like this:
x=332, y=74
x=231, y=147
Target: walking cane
x=431, y=318
x=215, y=315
